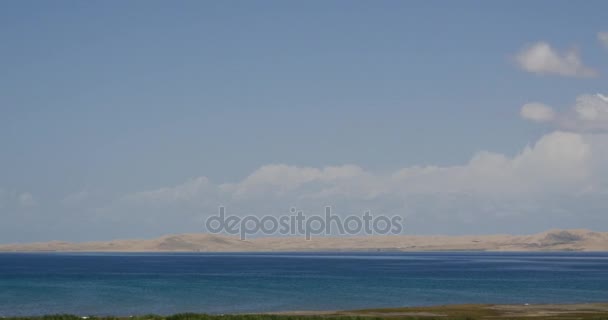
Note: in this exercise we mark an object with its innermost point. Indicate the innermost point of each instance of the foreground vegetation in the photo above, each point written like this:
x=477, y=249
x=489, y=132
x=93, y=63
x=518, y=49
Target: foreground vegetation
x=595, y=311
x=195, y=316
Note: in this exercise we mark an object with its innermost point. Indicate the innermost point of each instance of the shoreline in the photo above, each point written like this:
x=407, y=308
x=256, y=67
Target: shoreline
x=477, y=311
x=329, y=251
x=591, y=310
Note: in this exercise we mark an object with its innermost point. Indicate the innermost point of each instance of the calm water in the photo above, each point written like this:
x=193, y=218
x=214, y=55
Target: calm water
x=127, y=284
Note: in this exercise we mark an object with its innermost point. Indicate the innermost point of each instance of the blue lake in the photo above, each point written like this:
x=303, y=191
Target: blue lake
x=130, y=284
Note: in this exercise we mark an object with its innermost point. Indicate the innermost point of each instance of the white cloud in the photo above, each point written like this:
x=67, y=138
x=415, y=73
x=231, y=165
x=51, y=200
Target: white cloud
x=589, y=114
x=602, y=37
x=280, y=179
x=559, y=162
x=192, y=189
x=560, y=178
x=592, y=109
x=541, y=58
x=537, y=112
x=545, y=183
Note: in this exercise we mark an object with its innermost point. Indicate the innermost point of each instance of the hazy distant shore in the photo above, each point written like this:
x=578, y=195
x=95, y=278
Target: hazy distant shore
x=554, y=240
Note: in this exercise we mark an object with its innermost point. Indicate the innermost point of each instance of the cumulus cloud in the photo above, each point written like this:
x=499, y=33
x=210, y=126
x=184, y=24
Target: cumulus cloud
x=190, y=190
x=547, y=181
x=588, y=114
x=280, y=179
x=593, y=109
x=537, y=112
x=541, y=58
x=559, y=162
x=602, y=37
x=495, y=192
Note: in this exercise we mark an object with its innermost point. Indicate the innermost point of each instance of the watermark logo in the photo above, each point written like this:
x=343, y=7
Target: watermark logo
x=298, y=223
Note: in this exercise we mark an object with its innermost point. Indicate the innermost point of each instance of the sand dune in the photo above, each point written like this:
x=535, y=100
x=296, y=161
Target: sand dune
x=554, y=240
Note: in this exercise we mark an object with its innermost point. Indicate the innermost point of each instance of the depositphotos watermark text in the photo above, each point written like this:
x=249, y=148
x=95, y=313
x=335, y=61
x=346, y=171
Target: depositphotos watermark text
x=298, y=223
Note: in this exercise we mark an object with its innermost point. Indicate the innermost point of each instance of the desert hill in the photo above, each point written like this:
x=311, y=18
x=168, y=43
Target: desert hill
x=554, y=240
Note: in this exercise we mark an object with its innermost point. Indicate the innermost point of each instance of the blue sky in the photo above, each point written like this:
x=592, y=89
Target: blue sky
x=103, y=100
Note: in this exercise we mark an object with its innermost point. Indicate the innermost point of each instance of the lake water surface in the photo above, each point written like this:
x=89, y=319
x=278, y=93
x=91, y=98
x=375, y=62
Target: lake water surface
x=129, y=284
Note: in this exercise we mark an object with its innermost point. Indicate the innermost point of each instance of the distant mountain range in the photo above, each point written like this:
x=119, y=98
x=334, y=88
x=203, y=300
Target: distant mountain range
x=554, y=240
